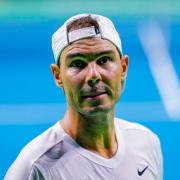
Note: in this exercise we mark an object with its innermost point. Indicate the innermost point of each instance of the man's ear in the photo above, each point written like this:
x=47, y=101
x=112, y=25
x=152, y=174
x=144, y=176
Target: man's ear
x=56, y=73
x=124, y=64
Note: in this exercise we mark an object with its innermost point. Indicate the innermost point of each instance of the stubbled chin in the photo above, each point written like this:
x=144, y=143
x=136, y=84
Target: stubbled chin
x=97, y=110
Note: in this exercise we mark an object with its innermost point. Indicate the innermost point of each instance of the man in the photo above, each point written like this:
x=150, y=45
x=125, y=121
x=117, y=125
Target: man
x=89, y=142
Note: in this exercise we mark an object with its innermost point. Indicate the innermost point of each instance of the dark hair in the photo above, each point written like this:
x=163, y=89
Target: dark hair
x=83, y=23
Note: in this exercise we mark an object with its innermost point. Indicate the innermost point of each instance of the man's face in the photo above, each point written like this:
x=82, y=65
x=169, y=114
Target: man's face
x=91, y=74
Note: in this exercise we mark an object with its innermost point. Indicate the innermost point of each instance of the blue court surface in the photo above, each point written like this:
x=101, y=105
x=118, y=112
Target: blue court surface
x=30, y=102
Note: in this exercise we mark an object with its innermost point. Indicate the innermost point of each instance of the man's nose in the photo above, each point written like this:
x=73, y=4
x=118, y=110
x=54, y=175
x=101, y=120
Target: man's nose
x=93, y=76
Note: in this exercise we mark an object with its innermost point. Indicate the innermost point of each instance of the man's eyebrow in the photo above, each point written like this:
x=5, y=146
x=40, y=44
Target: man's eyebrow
x=105, y=52
x=72, y=55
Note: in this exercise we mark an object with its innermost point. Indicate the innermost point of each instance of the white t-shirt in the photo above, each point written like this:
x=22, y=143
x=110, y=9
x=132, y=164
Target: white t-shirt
x=54, y=155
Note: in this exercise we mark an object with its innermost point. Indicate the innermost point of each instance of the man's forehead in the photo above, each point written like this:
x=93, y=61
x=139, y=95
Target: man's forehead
x=90, y=46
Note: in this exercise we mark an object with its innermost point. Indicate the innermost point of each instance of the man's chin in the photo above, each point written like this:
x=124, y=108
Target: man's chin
x=94, y=111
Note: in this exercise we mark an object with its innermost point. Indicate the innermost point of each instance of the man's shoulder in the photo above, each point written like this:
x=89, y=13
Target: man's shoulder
x=127, y=125
x=136, y=128
x=21, y=168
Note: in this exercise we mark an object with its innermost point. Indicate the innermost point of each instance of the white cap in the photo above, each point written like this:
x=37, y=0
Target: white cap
x=61, y=38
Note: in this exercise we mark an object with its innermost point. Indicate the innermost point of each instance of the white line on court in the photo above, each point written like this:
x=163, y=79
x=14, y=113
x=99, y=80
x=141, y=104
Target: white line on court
x=161, y=66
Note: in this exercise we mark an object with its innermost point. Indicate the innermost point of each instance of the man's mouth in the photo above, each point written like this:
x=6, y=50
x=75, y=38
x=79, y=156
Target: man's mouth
x=96, y=95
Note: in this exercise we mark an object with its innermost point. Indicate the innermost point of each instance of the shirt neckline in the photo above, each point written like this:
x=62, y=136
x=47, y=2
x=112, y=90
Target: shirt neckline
x=96, y=158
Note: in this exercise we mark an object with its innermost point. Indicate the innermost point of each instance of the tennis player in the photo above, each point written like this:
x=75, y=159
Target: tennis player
x=90, y=143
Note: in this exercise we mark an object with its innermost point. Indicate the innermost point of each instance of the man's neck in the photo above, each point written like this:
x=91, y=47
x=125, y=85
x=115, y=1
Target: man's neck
x=95, y=133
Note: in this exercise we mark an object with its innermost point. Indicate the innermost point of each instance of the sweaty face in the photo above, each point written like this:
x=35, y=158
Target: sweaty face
x=91, y=74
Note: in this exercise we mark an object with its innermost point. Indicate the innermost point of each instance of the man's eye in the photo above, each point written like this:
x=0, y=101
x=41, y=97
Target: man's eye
x=103, y=60
x=78, y=64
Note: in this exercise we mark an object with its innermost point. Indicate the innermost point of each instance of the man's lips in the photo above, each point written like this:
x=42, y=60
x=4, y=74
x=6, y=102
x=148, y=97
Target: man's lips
x=94, y=95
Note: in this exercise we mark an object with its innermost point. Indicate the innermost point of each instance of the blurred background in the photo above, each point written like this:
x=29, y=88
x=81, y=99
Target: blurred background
x=30, y=102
